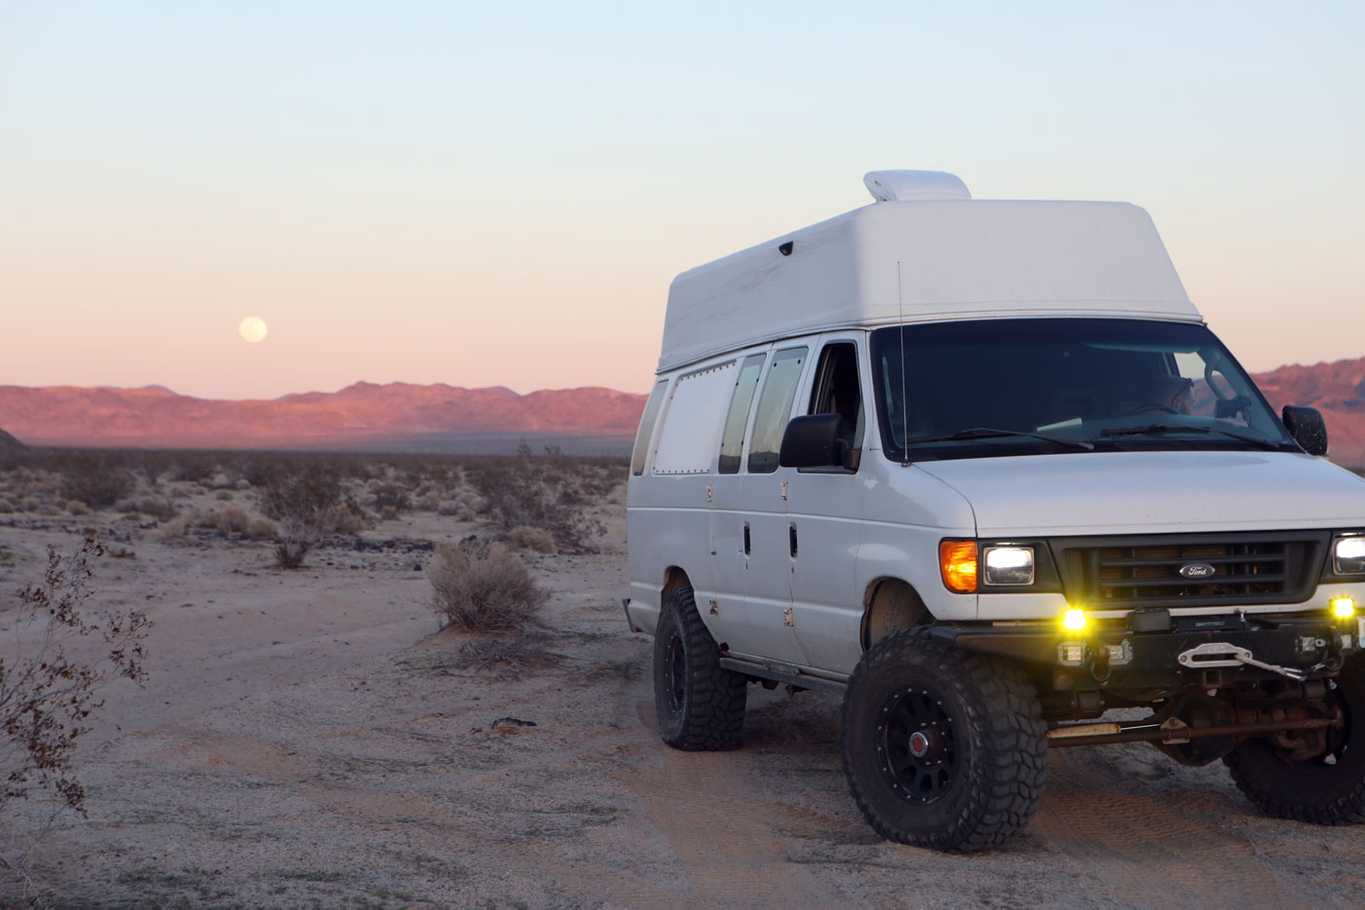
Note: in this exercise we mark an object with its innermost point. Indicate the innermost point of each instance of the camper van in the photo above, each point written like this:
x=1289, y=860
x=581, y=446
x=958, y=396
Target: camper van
x=981, y=466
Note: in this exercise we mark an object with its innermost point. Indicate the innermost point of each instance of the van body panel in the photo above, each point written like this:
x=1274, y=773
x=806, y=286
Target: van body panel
x=1153, y=492
x=958, y=259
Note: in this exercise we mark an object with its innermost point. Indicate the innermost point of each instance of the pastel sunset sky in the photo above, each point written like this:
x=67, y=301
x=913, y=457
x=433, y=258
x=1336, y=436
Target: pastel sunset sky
x=500, y=193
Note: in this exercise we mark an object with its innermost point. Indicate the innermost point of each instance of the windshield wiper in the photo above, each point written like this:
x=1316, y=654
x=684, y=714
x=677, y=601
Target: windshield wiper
x=992, y=433
x=1158, y=429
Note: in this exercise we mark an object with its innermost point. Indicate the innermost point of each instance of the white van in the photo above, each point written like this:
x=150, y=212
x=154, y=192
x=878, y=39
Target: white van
x=981, y=465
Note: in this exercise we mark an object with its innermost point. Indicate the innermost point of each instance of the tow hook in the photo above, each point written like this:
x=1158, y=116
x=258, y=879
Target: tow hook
x=1221, y=654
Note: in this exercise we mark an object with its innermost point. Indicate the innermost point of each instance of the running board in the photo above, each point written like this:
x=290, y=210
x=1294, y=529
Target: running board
x=782, y=673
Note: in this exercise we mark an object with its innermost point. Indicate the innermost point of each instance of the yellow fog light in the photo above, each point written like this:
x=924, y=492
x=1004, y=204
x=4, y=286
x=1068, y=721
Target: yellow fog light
x=1075, y=620
x=1342, y=607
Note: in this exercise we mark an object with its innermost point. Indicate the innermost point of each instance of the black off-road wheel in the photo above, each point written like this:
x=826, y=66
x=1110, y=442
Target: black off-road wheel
x=698, y=703
x=1326, y=790
x=942, y=749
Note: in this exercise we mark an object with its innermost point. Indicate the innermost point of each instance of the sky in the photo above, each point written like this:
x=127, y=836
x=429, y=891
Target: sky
x=499, y=193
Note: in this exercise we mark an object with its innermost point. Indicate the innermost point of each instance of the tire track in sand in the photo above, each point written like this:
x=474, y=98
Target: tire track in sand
x=703, y=804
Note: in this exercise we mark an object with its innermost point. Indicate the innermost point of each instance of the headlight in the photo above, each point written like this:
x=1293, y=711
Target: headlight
x=1010, y=565
x=1348, y=556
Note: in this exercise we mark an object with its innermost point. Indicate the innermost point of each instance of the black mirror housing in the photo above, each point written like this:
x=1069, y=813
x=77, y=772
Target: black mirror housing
x=1307, y=427
x=812, y=442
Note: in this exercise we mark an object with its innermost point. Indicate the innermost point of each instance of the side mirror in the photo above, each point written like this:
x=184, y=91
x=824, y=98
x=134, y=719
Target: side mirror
x=1307, y=427
x=812, y=442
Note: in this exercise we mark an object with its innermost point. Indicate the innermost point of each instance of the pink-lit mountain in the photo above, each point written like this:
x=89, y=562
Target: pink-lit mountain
x=358, y=414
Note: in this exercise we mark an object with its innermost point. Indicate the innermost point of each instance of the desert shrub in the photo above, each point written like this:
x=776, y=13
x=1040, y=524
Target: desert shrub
x=529, y=538
x=261, y=529
x=348, y=517
x=541, y=491
x=233, y=520
x=95, y=481
x=6, y=506
x=429, y=503
x=223, y=496
x=158, y=507
x=482, y=587
x=178, y=528
x=195, y=468
x=390, y=499
x=304, y=505
x=46, y=695
x=76, y=507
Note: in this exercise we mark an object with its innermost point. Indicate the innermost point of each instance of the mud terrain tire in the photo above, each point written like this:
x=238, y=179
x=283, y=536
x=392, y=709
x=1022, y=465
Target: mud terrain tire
x=699, y=704
x=981, y=771
x=1311, y=791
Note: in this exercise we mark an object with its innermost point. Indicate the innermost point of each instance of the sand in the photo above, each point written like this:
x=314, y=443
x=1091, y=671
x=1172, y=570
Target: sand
x=310, y=739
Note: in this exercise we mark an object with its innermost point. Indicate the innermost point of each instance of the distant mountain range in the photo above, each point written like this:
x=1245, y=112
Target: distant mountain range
x=363, y=415
x=1337, y=389
x=443, y=417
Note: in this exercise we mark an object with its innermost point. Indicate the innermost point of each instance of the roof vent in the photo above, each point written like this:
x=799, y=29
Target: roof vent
x=914, y=186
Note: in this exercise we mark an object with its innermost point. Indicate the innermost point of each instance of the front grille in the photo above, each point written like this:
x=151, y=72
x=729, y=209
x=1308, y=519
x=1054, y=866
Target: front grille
x=1131, y=573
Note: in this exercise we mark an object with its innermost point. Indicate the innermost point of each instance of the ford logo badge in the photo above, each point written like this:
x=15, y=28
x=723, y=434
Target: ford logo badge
x=1197, y=570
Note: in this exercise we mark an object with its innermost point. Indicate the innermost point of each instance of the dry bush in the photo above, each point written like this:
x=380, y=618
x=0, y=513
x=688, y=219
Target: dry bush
x=95, y=480
x=223, y=496
x=76, y=507
x=549, y=491
x=304, y=504
x=48, y=696
x=158, y=507
x=349, y=518
x=482, y=587
x=261, y=529
x=178, y=528
x=390, y=500
x=234, y=520
x=6, y=507
x=529, y=538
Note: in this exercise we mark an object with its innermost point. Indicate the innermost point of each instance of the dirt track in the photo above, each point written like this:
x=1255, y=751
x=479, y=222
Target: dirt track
x=305, y=740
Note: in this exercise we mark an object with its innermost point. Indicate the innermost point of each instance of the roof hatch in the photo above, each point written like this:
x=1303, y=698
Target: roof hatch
x=914, y=186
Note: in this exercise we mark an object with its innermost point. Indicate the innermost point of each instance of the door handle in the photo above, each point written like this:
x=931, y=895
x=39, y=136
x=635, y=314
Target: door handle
x=791, y=539
x=748, y=541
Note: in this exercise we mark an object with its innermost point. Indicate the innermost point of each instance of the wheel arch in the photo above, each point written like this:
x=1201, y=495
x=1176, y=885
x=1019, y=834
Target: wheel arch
x=674, y=577
x=890, y=604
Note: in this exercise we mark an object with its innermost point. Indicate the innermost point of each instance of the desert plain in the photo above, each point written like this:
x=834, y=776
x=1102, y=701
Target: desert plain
x=314, y=738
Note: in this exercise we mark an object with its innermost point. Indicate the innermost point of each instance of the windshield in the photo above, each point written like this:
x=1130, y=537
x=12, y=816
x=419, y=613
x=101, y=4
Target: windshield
x=1042, y=386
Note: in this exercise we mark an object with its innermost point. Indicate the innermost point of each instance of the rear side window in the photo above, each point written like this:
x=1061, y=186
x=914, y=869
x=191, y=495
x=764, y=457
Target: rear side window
x=646, y=431
x=775, y=409
x=732, y=442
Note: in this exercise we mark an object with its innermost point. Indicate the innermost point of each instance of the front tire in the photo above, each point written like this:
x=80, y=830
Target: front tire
x=1327, y=790
x=941, y=748
x=698, y=703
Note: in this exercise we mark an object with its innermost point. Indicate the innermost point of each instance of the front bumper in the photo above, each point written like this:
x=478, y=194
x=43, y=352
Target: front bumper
x=1160, y=651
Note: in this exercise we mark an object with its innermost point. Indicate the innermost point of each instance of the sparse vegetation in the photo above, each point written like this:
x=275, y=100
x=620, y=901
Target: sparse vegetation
x=305, y=505
x=482, y=587
x=529, y=538
x=549, y=491
x=96, y=481
x=47, y=696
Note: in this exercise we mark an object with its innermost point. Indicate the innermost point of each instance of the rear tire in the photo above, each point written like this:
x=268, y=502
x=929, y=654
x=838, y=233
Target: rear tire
x=698, y=703
x=1315, y=790
x=942, y=748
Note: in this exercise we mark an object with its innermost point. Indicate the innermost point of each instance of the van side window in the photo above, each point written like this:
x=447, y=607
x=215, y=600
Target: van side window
x=641, y=451
x=836, y=391
x=732, y=442
x=775, y=409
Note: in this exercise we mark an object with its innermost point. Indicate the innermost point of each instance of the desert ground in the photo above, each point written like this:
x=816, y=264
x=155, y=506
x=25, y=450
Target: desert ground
x=313, y=738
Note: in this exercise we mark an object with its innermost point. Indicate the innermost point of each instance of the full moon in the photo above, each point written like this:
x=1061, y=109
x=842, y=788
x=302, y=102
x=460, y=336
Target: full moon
x=253, y=329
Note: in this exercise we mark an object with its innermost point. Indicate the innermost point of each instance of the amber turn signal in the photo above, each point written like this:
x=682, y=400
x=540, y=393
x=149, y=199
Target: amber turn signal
x=958, y=561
